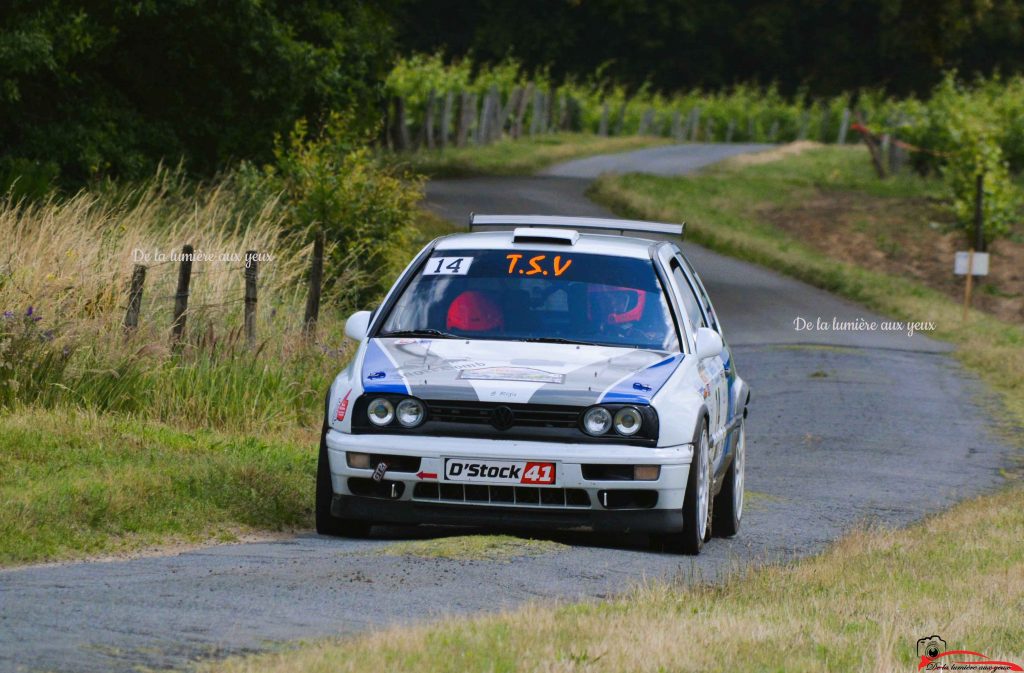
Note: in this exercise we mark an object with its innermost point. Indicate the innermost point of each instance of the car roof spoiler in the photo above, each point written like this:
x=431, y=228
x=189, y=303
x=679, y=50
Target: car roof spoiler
x=559, y=222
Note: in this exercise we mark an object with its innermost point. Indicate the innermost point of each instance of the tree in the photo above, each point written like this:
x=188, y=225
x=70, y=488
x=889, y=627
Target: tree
x=111, y=87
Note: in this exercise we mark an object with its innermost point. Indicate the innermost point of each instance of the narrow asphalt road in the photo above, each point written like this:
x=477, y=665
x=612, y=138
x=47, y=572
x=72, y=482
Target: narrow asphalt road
x=845, y=427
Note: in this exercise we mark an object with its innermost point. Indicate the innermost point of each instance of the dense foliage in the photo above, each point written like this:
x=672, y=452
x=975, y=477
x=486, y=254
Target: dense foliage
x=92, y=88
x=829, y=47
x=329, y=181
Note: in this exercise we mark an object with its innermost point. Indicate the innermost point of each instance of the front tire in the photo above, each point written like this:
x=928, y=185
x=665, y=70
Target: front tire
x=729, y=502
x=327, y=523
x=696, y=503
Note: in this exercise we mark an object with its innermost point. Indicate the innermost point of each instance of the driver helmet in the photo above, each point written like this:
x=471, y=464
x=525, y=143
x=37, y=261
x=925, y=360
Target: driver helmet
x=475, y=311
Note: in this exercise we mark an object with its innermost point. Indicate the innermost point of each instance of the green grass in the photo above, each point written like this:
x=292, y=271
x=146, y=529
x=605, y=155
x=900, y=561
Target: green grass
x=473, y=548
x=721, y=207
x=75, y=484
x=517, y=157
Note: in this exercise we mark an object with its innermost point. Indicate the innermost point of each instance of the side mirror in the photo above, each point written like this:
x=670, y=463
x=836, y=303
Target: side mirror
x=709, y=343
x=357, y=325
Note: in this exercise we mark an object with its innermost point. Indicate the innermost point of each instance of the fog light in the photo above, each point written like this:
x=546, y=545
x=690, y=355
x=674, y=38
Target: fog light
x=646, y=472
x=358, y=460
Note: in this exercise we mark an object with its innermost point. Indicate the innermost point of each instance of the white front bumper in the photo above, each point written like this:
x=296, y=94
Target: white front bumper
x=671, y=484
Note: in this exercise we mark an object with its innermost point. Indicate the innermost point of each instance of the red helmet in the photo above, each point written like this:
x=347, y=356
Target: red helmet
x=602, y=299
x=474, y=311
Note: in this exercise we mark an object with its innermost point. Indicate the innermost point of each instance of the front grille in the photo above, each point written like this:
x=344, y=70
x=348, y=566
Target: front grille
x=502, y=495
x=524, y=415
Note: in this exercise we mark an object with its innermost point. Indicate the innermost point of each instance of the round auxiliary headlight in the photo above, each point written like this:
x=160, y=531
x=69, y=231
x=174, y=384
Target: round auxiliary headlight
x=410, y=412
x=628, y=421
x=380, y=411
x=597, y=421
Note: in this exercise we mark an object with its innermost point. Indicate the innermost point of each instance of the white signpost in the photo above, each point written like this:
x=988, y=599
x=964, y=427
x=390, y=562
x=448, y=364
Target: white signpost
x=969, y=263
x=965, y=262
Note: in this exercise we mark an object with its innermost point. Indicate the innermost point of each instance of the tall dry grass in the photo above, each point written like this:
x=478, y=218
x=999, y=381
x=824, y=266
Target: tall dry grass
x=65, y=267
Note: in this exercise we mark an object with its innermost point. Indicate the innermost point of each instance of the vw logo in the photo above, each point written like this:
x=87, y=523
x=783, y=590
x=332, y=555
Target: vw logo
x=502, y=418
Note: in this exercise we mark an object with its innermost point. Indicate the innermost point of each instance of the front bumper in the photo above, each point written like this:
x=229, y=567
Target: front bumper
x=408, y=504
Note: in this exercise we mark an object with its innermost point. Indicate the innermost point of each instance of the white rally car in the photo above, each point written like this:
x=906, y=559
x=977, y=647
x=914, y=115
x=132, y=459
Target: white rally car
x=536, y=376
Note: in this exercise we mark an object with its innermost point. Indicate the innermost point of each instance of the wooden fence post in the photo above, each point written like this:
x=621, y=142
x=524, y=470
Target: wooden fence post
x=316, y=274
x=181, y=295
x=773, y=133
x=462, y=128
x=805, y=123
x=471, y=125
x=446, y=118
x=677, y=126
x=620, y=120
x=251, y=274
x=644, y=121
x=535, y=112
x=694, y=124
x=844, y=126
x=602, y=125
x=521, y=105
x=731, y=130
x=131, y=316
x=428, y=120
x=551, y=123
x=979, y=213
x=496, y=122
x=482, y=128
x=506, y=113
x=402, y=130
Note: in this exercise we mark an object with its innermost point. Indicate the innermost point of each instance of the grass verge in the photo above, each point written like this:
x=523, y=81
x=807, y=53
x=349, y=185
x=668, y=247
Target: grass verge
x=860, y=606
x=473, y=548
x=517, y=157
x=75, y=483
x=721, y=206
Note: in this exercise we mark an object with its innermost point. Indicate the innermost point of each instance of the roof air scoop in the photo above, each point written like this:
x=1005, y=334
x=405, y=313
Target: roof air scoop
x=542, y=235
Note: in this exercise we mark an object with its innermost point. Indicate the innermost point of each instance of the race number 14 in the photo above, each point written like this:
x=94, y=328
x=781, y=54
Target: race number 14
x=447, y=266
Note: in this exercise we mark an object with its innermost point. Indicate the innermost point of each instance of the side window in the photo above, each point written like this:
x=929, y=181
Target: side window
x=702, y=294
x=689, y=300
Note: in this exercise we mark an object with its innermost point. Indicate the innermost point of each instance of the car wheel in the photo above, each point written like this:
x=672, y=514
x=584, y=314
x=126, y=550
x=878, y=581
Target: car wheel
x=696, y=503
x=327, y=523
x=729, y=502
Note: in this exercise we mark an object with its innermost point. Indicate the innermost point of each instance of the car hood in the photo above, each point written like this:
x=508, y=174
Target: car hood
x=515, y=372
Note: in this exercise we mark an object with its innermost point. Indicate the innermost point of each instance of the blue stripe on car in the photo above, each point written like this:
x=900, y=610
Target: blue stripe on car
x=643, y=385
x=379, y=375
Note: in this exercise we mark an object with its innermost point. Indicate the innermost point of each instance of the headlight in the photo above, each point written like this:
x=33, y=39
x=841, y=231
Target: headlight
x=628, y=421
x=597, y=421
x=410, y=412
x=380, y=412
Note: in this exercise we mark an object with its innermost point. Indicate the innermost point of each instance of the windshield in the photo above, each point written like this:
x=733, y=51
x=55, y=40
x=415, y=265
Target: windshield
x=555, y=295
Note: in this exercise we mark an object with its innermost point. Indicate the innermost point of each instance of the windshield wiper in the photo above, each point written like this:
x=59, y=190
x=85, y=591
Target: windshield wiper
x=559, y=340
x=426, y=332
